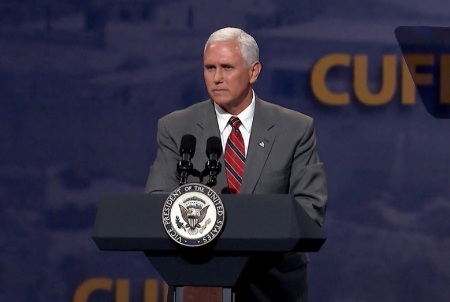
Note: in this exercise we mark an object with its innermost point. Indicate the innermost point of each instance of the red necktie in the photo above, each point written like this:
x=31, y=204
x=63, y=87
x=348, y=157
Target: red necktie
x=234, y=156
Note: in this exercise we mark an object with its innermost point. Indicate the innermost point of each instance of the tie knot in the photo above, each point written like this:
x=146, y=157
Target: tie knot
x=235, y=122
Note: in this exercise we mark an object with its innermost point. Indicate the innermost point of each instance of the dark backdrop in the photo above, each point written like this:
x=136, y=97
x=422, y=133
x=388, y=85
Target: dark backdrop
x=83, y=83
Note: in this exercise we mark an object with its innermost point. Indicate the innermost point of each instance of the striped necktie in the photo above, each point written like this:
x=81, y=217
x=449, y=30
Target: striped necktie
x=234, y=156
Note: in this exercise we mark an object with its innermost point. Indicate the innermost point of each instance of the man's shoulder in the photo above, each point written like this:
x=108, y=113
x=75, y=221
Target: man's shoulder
x=281, y=113
x=191, y=111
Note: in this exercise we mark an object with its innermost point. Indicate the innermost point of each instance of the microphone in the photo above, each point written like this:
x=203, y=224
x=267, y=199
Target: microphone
x=213, y=166
x=187, y=151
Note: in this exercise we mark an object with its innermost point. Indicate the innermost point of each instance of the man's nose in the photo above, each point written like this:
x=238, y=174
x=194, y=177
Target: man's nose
x=218, y=76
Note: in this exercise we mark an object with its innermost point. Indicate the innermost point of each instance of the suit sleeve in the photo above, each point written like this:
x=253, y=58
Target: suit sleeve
x=307, y=181
x=163, y=172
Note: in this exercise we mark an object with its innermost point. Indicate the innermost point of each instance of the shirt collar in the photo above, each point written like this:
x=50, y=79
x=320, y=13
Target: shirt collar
x=245, y=116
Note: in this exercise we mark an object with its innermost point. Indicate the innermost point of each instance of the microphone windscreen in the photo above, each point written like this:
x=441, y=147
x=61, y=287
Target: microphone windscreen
x=214, y=146
x=187, y=145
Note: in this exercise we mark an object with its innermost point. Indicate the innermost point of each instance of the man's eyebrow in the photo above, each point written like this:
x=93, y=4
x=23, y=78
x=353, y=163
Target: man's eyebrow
x=221, y=65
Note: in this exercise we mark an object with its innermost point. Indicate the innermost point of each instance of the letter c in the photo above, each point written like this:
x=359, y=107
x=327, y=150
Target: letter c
x=318, y=80
x=89, y=286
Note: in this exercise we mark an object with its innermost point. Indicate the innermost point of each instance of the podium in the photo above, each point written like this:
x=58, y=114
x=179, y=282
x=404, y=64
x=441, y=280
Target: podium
x=255, y=225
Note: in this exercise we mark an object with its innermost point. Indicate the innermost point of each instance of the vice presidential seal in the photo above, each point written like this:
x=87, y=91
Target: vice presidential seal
x=193, y=215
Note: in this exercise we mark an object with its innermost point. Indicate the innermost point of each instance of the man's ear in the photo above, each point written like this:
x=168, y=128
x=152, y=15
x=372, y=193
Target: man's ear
x=254, y=70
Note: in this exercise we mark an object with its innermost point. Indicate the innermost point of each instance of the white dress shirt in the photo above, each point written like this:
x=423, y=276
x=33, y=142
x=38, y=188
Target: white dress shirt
x=246, y=118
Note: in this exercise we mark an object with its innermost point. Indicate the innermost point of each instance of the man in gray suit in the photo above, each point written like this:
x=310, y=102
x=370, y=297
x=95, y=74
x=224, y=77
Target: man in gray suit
x=279, y=153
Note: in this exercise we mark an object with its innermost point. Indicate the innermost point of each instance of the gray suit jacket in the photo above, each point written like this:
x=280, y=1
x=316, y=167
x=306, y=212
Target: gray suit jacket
x=287, y=164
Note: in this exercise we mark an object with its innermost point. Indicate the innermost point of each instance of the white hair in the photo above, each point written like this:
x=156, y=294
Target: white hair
x=248, y=46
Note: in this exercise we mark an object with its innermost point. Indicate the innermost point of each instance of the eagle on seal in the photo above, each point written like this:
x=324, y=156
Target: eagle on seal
x=193, y=216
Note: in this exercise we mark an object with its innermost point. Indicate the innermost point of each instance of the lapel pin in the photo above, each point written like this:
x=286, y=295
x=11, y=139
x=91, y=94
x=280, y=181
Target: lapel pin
x=261, y=144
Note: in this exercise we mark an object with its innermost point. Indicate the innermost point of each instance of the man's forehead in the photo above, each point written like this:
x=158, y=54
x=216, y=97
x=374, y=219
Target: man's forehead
x=223, y=51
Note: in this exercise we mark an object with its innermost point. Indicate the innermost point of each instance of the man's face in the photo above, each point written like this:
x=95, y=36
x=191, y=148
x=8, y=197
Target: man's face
x=228, y=80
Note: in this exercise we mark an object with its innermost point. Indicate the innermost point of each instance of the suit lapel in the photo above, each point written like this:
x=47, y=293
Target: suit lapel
x=261, y=141
x=209, y=127
x=260, y=145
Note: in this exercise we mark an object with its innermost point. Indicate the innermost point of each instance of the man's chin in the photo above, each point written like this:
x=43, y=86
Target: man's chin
x=222, y=102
